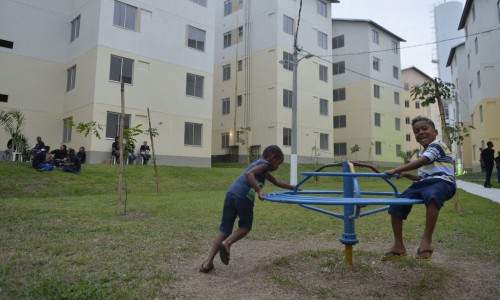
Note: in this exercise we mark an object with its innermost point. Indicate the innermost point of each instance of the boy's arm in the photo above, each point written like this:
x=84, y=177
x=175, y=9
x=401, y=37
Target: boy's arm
x=279, y=183
x=408, y=167
x=250, y=175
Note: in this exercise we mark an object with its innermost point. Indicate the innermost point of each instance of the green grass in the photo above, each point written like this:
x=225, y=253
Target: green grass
x=60, y=236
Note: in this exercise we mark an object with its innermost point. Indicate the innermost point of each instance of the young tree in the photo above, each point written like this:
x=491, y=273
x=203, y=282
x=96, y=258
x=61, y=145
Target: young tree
x=13, y=123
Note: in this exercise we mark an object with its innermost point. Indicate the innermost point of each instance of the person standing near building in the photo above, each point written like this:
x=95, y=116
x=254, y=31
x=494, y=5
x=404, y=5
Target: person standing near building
x=497, y=162
x=488, y=157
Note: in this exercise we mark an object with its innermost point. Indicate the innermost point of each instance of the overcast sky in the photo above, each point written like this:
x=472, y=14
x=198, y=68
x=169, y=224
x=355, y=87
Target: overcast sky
x=411, y=20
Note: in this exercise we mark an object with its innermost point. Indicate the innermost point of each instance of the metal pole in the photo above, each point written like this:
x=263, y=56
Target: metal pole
x=293, y=157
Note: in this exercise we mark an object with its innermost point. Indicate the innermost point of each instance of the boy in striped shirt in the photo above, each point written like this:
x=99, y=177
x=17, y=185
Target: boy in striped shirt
x=435, y=184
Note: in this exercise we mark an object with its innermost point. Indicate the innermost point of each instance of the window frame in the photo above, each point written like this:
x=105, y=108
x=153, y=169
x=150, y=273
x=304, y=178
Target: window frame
x=324, y=141
x=122, y=61
x=338, y=68
x=122, y=21
x=287, y=137
x=228, y=7
x=376, y=64
x=323, y=107
x=198, y=41
x=339, y=94
x=287, y=98
x=378, y=148
x=226, y=106
x=339, y=149
x=70, y=78
x=397, y=98
x=75, y=28
x=377, y=120
x=395, y=72
x=112, y=133
x=287, y=61
x=224, y=140
x=195, y=86
x=323, y=73
x=227, y=39
x=322, y=8
x=375, y=37
x=196, y=131
x=376, y=91
x=226, y=72
x=338, y=42
x=67, y=130
x=339, y=121
x=323, y=40
x=288, y=24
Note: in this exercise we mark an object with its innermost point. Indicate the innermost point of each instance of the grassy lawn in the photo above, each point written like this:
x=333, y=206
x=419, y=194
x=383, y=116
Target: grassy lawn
x=60, y=236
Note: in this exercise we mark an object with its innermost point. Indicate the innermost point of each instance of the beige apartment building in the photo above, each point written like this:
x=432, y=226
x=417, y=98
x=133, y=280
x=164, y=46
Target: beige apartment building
x=367, y=92
x=253, y=79
x=63, y=60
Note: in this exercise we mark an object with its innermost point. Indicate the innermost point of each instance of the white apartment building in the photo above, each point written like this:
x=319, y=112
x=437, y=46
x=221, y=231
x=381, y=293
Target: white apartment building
x=478, y=84
x=367, y=92
x=253, y=90
x=64, y=59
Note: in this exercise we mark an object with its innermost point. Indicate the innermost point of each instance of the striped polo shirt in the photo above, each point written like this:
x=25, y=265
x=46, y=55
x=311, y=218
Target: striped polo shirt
x=440, y=163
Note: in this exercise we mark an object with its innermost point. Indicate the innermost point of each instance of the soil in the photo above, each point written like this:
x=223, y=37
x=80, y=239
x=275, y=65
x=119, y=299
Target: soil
x=316, y=270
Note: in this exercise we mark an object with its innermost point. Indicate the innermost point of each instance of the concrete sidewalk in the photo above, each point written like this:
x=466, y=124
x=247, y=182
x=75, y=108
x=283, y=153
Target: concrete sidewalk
x=477, y=189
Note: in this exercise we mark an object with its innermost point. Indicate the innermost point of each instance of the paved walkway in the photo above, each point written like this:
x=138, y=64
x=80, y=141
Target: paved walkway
x=478, y=189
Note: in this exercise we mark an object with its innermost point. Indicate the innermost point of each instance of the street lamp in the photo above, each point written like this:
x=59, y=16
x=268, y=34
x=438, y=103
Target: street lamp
x=293, y=158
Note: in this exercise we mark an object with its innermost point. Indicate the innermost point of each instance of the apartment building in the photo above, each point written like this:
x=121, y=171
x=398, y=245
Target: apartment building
x=478, y=89
x=64, y=60
x=253, y=79
x=367, y=92
x=411, y=108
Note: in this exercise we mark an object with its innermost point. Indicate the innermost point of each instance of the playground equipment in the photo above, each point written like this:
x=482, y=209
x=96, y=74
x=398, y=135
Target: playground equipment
x=352, y=199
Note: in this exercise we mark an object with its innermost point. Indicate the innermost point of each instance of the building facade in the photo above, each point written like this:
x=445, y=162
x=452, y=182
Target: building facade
x=64, y=60
x=478, y=84
x=367, y=92
x=253, y=84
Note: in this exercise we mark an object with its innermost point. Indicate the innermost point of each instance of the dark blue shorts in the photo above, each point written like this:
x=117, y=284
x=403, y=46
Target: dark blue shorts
x=428, y=190
x=235, y=207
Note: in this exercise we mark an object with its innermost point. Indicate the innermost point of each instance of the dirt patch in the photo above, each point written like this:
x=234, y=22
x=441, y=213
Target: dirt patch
x=316, y=270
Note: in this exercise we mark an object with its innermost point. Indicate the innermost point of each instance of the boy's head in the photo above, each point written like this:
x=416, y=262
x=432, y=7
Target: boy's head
x=274, y=156
x=424, y=130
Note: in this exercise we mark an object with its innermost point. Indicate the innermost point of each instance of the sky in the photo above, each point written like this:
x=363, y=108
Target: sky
x=411, y=20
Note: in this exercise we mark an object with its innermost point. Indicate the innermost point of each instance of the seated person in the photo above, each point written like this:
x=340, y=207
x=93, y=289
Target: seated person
x=7, y=151
x=73, y=165
x=144, y=150
x=81, y=155
x=40, y=160
x=58, y=156
x=130, y=148
x=38, y=146
x=115, y=149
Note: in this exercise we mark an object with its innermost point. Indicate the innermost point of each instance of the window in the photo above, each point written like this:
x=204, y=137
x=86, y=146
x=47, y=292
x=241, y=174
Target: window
x=338, y=42
x=340, y=149
x=67, y=130
x=398, y=149
x=375, y=37
x=200, y=2
x=395, y=72
x=322, y=40
x=322, y=8
x=240, y=31
x=194, y=85
x=287, y=61
x=228, y=7
x=417, y=104
x=192, y=134
x=226, y=106
x=224, y=140
x=121, y=68
x=71, y=76
x=407, y=86
x=378, y=148
x=240, y=100
x=397, y=124
x=377, y=119
x=395, y=48
x=287, y=24
x=339, y=94
x=226, y=72
x=287, y=98
x=498, y=10
x=478, y=75
x=75, y=29
x=340, y=121
x=476, y=45
x=240, y=65
x=113, y=124
x=376, y=91
x=338, y=68
x=480, y=113
x=323, y=141
x=407, y=120
x=408, y=137
x=227, y=39
x=396, y=98
x=376, y=64
x=125, y=15
x=287, y=136
x=323, y=73
x=323, y=107
x=407, y=103
x=4, y=98
x=6, y=44
x=196, y=38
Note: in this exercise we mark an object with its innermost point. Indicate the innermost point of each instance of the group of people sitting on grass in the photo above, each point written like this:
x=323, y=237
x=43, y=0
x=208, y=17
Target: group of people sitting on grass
x=67, y=160
x=130, y=148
